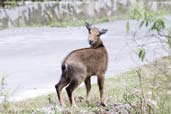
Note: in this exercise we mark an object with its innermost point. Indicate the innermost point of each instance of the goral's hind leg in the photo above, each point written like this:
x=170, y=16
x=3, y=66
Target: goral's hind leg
x=71, y=87
x=59, y=86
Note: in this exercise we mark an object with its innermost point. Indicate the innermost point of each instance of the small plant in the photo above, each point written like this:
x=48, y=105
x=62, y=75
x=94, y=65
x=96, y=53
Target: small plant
x=5, y=105
x=53, y=104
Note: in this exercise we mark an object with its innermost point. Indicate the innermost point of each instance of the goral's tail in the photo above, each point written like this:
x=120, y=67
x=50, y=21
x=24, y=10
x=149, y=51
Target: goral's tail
x=64, y=68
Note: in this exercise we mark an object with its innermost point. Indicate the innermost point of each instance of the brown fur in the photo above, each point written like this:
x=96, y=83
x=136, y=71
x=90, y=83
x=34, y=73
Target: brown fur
x=81, y=64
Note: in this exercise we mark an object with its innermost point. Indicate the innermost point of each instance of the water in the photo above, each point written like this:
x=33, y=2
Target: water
x=30, y=58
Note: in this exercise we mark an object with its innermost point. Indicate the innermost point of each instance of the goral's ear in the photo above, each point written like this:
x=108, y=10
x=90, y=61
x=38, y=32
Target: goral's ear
x=103, y=31
x=88, y=26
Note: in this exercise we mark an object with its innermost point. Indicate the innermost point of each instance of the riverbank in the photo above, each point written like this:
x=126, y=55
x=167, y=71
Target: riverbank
x=124, y=93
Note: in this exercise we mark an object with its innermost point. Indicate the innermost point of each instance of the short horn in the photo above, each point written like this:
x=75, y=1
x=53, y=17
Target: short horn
x=88, y=26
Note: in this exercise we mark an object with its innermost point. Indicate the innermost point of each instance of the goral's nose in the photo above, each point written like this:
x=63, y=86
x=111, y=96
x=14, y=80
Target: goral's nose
x=90, y=42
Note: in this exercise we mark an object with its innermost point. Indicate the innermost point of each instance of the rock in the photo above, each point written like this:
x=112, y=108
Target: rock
x=43, y=13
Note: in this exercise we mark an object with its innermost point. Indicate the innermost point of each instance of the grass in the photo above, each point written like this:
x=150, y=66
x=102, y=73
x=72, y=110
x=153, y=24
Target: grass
x=82, y=21
x=71, y=23
x=149, y=92
x=79, y=22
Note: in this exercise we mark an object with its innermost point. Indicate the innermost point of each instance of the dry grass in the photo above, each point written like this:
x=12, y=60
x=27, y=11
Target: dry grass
x=123, y=93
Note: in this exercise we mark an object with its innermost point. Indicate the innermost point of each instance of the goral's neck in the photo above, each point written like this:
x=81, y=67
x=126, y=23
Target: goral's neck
x=98, y=44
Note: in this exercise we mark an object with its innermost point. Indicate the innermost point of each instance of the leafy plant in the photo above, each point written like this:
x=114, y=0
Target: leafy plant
x=159, y=101
x=141, y=54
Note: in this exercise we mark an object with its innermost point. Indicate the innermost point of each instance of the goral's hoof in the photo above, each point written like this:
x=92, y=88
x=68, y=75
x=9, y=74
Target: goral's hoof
x=101, y=104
